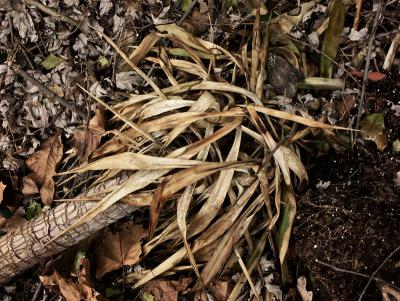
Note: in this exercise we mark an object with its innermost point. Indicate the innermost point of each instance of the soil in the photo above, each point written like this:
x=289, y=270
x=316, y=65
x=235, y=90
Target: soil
x=353, y=223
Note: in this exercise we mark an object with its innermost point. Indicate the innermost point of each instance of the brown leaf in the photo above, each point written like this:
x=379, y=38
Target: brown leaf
x=219, y=290
x=47, y=190
x=119, y=249
x=87, y=140
x=2, y=188
x=43, y=164
x=70, y=290
x=374, y=76
x=166, y=290
x=29, y=186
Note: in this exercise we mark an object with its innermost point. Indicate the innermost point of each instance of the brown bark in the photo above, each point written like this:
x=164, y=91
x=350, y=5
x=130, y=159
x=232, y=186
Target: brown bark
x=22, y=247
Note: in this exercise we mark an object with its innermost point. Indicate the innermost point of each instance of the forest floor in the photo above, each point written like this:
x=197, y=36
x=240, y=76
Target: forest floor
x=64, y=83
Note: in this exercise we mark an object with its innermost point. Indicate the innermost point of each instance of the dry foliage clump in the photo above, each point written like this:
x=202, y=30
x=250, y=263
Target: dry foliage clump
x=217, y=161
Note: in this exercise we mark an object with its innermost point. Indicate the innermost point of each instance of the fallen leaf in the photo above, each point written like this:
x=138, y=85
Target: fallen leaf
x=105, y=6
x=119, y=249
x=87, y=140
x=43, y=165
x=51, y=61
x=301, y=288
x=68, y=289
x=2, y=188
x=33, y=210
x=388, y=292
x=219, y=290
x=374, y=76
x=372, y=128
x=29, y=186
x=165, y=290
x=343, y=106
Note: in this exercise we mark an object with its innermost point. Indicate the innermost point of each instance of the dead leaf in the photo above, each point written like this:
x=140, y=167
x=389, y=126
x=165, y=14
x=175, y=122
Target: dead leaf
x=219, y=290
x=2, y=188
x=43, y=165
x=119, y=249
x=388, y=292
x=344, y=106
x=372, y=128
x=374, y=76
x=301, y=288
x=70, y=290
x=87, y=140
x=166, y=290
x=105, y=6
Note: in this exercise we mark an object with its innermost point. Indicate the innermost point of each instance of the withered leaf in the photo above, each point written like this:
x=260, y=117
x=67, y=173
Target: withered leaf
x=70, y=290
x=87, y=140
x=372, y=128
x=2, y=188
x=119, y=249
x=166, y=290
x=29, y=186
x=43, y=165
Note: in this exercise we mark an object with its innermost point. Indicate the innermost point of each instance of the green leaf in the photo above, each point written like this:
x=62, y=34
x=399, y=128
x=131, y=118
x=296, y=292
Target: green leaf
x=52, y=61
x=331, y=39
x=185, y=4
x=103, y=62
x=372, y=128
x=147, y=297
x=33, y=210
x=5, y=212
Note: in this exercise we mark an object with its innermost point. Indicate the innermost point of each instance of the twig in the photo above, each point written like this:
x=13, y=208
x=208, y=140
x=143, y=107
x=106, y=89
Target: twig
x=187, y=13
x=379, y=11
x=376, y=271
x=46, y=91
x=53, y=13
x=347, y=271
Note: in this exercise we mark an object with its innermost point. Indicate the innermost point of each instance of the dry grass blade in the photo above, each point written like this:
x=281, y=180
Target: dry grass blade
x=128, y=122
x=130, y=63
x=134, y=161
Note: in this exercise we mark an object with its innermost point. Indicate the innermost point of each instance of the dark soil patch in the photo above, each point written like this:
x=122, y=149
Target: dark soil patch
x=352, y=224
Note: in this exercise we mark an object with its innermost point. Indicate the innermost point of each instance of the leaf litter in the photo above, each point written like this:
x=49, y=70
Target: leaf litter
x=205, y=145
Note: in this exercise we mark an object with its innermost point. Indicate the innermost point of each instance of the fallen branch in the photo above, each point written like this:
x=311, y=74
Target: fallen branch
x=23, y=247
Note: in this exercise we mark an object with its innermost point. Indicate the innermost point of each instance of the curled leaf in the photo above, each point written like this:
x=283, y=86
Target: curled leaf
x=88, y=140
x=43, y=165
x=372, y=128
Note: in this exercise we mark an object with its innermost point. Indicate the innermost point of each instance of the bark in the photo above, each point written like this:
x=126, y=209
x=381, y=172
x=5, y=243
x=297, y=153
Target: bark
x=22, y=247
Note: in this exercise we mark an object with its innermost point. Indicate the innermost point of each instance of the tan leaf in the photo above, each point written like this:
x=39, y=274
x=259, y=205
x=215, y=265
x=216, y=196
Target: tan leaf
x=29, y=186
x=43, y=164
x=166, y=290
x=70, y=290
x=47, y=190
x=87, y=140
x=119, y=249
x=2, y=188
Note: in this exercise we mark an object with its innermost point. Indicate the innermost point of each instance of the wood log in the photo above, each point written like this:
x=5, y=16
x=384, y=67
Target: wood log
x=23, y=247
